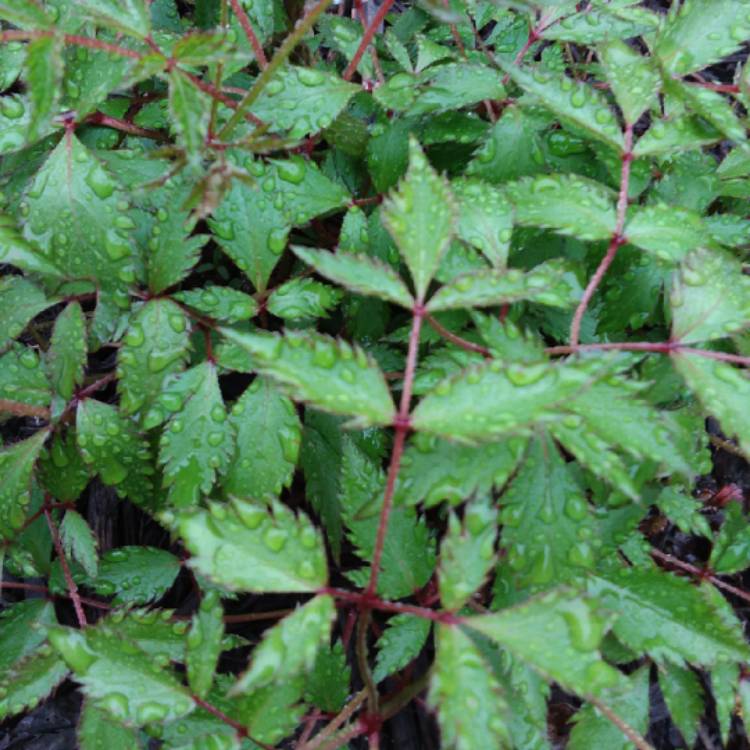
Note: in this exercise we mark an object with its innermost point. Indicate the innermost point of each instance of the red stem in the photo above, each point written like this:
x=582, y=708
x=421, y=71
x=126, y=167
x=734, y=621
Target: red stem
x=17, y=35
x=212, y=91
x=44, y=590
x=367, y=38
x=617, y=237
x=229, y=721
x=375, y=602
x=99, y=118
x=462, y=343
x=252, y=37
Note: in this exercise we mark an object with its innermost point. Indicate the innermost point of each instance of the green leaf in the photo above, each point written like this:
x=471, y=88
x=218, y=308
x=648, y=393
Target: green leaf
x=360, y=273
x=112, y=445
x=152, y=630
x=326, y=372
x=327, y=686
x=402, y=640
x=44, y=70
x=204, y=644
x=20, y=302
x=32, y=388
x=557, y=634
x=574, y=101
x=469, y=700
x=15, y=117
x=96, y=730
x=122, y=680
x=244, y=547
x=433, y=470
x=199, y=441
x=467, y=553
x=129, y=16
x=66, y=356
x=485, y=219
x=155, y=346
x=62, y=470
x=599, y=24
x=252, y=222
x=220, y=303
x=568, y=204
x=676, y=133
x=190, y=110
x=594, y=729
x=303, y=101
x=290, y=647
x=421, y=218
x=683, y=695
x=724, y=683
x=25, y=13
x=136, y=575
x=670, y=233
x=31, y=681
x=698, y=34
x=731, y=549
x=303, y=299
x=79, y=542
x=23, y=628
x=552, y=283
x=268, y=439
x=16, y=467
x=715, y=109
x=669, y=618
x=684, y=511
x=15, y=251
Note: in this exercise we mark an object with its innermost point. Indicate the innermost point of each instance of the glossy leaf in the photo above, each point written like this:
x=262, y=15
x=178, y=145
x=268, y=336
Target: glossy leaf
x=220, y=303
x=128, y=16
x=684, y=698
x=731, y=550
x=24, y=13
x=23, y=628
x=136, y=575
x=44, y=71
x=191, y=110
x=669, y=233
x=303, y=299
x=31, y=681
x=22, y=379
x=16, y=251
x=66, y=357
x=403, y=639
x=20, y=302
x=603, y=23
x=16, y=464
x=327, y=686
x=79, y=542
x=97, y=730
x=204, y=644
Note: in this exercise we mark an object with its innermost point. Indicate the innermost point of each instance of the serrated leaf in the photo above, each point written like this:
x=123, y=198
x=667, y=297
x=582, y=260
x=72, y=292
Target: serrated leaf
x=31, y=681
x=61, y=470
x=15, y=251
x=360, y=273
x=599, y=24
x=325, y=372
x=714, y=108
x=683, y=695
x=268, y=439
x=552, y=283
x=20, y=302
x=698, y=34
x=303, y=299
x=290, y=647
x=574, y=101
x=79, y=542
x=420, y=217
x=204, y=644
x=122, y=680
x=44, y=71
x=97, y=730
x=568, y=204
x=327, y=685
x=724, y=684
x=23, y=628
x=669, y=232
x=471, y=707
x=136, y=575
x=155, y=346
x=710, y=297
x=679, y=132
x=25, y=13
x=152, y=630
x=16, y=467
x=665, y=616
x=245, y=547
x=557, y=635
x=303, y=101
x=252, y=222
x=199, y=440
x=190, y=109
x=683, y=511
x=731, y=548
x=22, y=379
x=66, y=356
x=631, y=705
x=466, y=553
x=402, y=640
x=129, y=16
x=220, y=303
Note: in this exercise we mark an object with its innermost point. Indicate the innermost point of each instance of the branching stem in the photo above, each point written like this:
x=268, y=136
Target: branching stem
x=377, y=19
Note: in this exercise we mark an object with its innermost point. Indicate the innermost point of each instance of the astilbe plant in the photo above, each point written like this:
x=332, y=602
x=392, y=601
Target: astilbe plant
x=407, y=321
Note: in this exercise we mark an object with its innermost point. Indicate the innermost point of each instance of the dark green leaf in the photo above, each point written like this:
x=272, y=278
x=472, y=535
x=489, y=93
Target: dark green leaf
x=66, y=356
x=20, y=302
x=136, y=575
x=303, y=299
x=684, y=698
x=79, y=542
x=31, y=681
x=401, y=642
x=204, y=644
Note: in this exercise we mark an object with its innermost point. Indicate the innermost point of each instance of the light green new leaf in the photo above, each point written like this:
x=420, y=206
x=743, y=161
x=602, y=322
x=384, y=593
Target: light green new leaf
x=44, y=71
x=123, y=680
x=552, y=283
x=25, y=14
x=669, y=618
x=568, y=204
x=20, y=302
x=136, y=575
x=66, y=356
x=204, y=643
x=360, y=273
x=199, y=441
x=303, y=100
x=97, y=730
x=303, y=299
x=467, y=553
x=731, y=550
x=15, y=251
x=683, y=695
x=631, y=705
x=722, y=389
x=471, y=707
x=710, y=297
x=402, y=640
x=16, y=467
x=268, y=439
x=23, y=628
x=290, y=647
x=31, y=681
x=155, y=346
x=32, y=388
x=245, y=547
x=326, y=372
x=79, y=542
x=699, y=33
x=112, y=445
x=634, y=78
x=129, y=16
x=421, y=218
x=557, y=634
x=574, y=101
x=220, y=303
x=669, y=232
x=191, y=112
